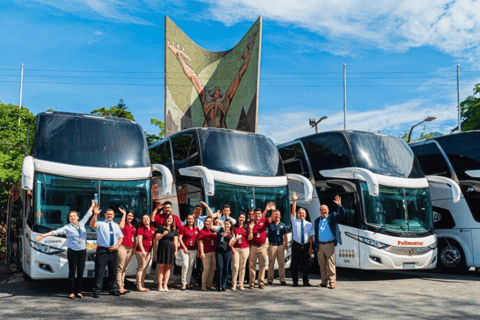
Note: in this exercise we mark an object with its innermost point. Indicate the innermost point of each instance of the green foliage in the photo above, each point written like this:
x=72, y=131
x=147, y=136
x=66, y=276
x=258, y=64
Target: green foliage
x=118, y=111
x=14, y=144
x=50, y=110
x=423, y=135
x=470, y=111
x=153, y=138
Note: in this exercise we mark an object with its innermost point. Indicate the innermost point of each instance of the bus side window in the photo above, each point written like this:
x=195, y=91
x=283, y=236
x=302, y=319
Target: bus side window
x=350, y=206
x=294, y=159
x=162, y=155
x=188, y=196
x=185, y=151
x=431, y=160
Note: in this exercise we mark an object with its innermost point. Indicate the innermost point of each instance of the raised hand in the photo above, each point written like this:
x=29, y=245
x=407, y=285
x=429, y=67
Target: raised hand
x=204, y=204
x=294, y=196
x=96, y=211
x=176, y=50
x=338, y=200
x=159, y=205
x=122, y=211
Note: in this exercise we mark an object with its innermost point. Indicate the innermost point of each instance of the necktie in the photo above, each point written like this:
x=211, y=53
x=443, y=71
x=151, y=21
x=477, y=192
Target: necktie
x=302, y=232
x=111, y=235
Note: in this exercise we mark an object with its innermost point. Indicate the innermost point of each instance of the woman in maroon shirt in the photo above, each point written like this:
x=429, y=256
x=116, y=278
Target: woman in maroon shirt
x=126, y=251
x=188, y=241
x=242, y=251
x=207, y=241
x=145, y=235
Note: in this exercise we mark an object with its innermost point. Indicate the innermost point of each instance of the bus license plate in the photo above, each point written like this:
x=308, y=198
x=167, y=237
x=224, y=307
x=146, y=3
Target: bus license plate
x=409, y=265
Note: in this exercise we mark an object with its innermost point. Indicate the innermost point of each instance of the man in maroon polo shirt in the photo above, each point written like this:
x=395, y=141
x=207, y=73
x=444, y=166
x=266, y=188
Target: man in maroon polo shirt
x=257, y=238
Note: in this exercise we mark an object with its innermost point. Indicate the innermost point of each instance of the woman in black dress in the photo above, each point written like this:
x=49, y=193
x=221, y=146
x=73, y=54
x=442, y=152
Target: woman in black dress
x=167, y=250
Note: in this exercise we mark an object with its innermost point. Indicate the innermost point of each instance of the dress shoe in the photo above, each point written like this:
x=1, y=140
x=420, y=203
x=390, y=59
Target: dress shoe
x=295, y=285
x=283, y=283
x=224, y=289
x=114, y=294
x=307, y=284
x=96, y=295
x=269, y=283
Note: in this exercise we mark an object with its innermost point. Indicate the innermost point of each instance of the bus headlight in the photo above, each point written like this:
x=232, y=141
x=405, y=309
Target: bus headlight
x=44, y=248
x=433, y=246
x=370, y=242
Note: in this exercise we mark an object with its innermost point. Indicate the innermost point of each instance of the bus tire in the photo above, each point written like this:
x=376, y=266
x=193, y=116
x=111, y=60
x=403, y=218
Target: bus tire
x=450, y=257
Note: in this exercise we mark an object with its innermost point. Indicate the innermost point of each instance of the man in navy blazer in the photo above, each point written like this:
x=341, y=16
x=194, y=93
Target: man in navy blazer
x=326, y=229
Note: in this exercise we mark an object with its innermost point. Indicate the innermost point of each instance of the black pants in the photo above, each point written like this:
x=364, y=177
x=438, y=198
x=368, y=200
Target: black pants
x=105, y=258
x=76, y=263
x=299, y=259
x=197, y=271
x=223, y=264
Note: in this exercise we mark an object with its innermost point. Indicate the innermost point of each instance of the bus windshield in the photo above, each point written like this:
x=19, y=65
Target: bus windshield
x=462, y=150
x=243, y=198
x=398, y=209
x=384, y=155
x=240, y=153
x=90, y=141
x=56, y=196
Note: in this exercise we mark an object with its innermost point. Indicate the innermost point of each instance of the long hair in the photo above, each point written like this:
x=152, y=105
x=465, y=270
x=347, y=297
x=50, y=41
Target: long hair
x=141, y=224
x=70, y=213
x=232, y=228
x=237, y=225
x=194, y=220
x=172, y=228
x=205, y=223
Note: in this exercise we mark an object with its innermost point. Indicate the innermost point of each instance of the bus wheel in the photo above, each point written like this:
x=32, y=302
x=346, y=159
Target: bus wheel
x=451, y=258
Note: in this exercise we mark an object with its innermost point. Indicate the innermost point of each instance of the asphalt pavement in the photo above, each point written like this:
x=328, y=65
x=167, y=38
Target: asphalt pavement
x=359, y=295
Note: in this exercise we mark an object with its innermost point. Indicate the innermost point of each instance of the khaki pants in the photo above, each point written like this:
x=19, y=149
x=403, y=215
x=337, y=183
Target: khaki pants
x=125, y=254
x=276, y=252
x=260, y=253
x=142, y=264
x=208, y=269
x=239, y=264
x=326, y=259
x=189, y=262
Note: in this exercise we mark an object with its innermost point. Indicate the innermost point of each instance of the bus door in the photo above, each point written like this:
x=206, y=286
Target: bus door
x=347, y=252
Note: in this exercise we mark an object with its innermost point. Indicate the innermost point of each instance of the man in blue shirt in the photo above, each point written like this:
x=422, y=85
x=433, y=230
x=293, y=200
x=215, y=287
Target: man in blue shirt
x=277, y=244
x=326, y=228
x=109, y=238
x=302, y=245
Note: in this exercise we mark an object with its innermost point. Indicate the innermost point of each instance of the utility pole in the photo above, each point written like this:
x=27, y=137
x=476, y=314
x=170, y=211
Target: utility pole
x=344, y=96
x=458, y=100
x=21, y=94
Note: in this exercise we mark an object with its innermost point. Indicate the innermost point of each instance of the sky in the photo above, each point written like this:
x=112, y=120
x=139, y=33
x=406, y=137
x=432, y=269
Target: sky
x=401, y=58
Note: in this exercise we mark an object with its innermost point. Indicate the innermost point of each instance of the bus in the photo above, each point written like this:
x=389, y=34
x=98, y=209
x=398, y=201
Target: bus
x=77, y=158
x=388, y=213
x=455, y=157
x=222, y=166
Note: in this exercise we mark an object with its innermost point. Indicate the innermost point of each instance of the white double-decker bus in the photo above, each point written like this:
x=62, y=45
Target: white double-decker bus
x=77, y=158
x=388, y=212
x=224, y=167
x=456, y=216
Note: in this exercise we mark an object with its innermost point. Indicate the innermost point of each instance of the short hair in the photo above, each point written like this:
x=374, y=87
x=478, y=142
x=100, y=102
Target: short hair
x=276, y=210
x=257, y=210
x=226, y=206
x=302, y=209
x=323, y=205
x=110, y=209
x=251, y=211
x=68, y=216
x=197, y=206
x=167, y=202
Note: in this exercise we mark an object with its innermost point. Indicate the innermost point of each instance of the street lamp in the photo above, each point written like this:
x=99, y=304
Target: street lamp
x=314, y=124
x=426, y=120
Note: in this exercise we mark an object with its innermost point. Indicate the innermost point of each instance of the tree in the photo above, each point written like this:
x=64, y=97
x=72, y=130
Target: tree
x=15, y=142
x=470, y=111
x=423, y=135
x=153, y=138
x=118, y=111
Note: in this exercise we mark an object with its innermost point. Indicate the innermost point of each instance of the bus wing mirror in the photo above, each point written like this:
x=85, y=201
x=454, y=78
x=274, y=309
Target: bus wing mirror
x=473, y=173
x=167, y=178
x=456, y=191
x=28, y=171
x=307, y=185
x=203, y=173
x=355, y=173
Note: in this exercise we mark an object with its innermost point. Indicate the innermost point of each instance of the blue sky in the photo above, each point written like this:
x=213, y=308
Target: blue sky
x=401, y=57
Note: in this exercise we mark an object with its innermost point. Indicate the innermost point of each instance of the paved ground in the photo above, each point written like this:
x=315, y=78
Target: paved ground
x=359, y=295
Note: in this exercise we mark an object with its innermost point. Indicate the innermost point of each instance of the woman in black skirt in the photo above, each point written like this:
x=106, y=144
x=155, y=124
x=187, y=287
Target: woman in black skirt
x=167, y=250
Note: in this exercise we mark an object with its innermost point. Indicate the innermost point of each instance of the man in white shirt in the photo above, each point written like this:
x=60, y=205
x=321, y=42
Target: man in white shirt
x=109, y=238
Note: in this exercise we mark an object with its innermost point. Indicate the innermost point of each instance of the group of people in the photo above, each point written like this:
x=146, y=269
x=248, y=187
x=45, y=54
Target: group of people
x=215, y=244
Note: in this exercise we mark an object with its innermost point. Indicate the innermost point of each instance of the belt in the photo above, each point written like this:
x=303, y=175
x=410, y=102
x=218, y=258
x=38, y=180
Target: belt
x=325, y=242
x=302, y=245
x=276, y=243
x=258, y=245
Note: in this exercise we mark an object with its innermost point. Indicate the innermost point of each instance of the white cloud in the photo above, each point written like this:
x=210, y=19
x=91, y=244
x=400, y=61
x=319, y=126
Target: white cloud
x=289, y=123
x=450, y=26
x=98, y=33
